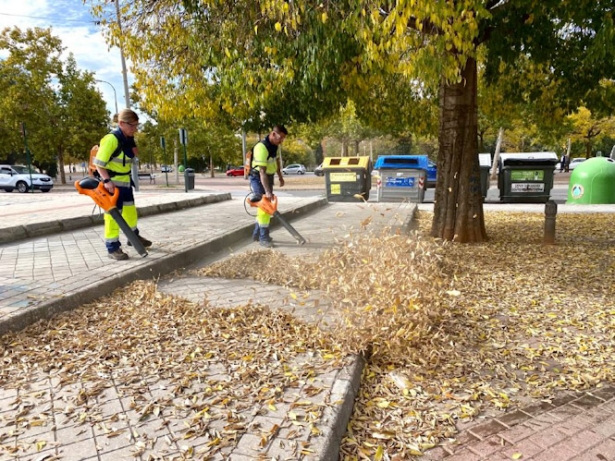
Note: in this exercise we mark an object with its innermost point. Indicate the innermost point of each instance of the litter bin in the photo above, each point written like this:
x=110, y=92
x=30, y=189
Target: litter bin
x=526, y=177
x=347, y=179
x=484, y=161
x=401, y=178
x=189, y=178
x=592, y=182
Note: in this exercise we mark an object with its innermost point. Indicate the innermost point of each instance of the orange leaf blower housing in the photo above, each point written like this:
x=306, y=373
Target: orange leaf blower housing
x=271, y=208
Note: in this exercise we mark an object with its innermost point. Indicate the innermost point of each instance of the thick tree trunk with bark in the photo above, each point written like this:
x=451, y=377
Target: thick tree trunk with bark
x=458, y=210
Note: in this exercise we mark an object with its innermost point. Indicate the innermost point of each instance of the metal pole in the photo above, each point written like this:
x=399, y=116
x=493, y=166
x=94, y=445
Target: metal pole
x=164, y=156
x=25, y=142
x=135, y=163
x=114, y=93
x=124, y=71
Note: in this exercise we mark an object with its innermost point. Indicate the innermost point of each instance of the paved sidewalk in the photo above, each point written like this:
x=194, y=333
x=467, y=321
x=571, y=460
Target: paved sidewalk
x=571, y=427
x=35, y=215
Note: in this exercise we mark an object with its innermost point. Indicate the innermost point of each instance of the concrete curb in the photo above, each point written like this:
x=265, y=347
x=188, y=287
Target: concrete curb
x=15, y=233
x=148, y=270
x=336, y=417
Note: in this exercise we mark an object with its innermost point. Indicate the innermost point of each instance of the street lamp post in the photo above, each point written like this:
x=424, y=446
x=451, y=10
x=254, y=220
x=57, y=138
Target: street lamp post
x=114, y=94
x=135, y=165
x=124, y=71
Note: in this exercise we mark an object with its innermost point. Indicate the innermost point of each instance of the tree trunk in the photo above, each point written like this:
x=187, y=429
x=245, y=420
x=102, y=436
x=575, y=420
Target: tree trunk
x=61, y=168
x=496, y=156
x=458, y=210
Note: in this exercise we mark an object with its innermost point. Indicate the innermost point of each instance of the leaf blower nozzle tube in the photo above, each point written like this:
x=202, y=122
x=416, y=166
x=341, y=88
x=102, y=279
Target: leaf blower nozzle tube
x=95, y=189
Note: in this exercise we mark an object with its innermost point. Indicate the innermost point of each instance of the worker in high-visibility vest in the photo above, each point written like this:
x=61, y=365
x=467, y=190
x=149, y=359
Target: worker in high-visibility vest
x=265, y=164
x=113, y=163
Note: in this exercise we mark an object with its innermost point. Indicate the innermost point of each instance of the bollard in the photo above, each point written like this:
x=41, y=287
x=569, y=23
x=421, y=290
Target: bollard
x=550, y=215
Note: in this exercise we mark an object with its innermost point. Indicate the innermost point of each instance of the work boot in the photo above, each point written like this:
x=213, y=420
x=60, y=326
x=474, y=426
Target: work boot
x=256, y=233
x=265, y=240
x=146, y=243
x=118, y=255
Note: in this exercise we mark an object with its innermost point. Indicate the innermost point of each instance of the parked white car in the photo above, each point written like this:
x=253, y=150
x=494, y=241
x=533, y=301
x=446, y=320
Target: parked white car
x=575, y=162
x=20, y=178
x=294, y=168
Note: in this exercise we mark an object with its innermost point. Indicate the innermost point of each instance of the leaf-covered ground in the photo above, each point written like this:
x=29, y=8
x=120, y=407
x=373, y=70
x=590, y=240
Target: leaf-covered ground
x=204, y=372
x=520, y=321
x=450, y=331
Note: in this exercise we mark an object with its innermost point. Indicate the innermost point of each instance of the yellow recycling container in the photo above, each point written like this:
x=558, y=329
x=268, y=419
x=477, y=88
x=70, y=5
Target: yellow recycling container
x=347, y=179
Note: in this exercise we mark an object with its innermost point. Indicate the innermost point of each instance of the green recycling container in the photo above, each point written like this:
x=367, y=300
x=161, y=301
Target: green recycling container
x=526, y=177
x=592, y=182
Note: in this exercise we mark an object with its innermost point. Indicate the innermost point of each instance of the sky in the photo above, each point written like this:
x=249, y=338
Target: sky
x=71, y=21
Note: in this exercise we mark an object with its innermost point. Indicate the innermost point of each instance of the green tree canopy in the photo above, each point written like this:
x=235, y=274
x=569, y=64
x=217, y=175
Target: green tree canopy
x=261, y=62
x=63, y=112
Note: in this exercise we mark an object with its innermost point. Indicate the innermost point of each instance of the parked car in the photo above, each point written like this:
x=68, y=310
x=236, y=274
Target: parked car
x=235, y=171
x=575, y=162
x=294, y=168
x=318, y=171
x=166, y=169
x=23, y=179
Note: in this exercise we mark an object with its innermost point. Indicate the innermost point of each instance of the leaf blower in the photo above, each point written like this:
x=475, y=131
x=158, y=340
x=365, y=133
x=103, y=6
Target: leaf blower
x=95, y=189
x=271, y=208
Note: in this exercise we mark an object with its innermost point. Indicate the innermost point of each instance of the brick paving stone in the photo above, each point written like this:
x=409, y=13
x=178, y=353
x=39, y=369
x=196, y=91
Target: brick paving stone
x=537, y=425
x=488, y=446
x=435, y=454
x=249, y=445
x=583, y=440
x=525, y=447
x=606, y=428
x=464, y=455
x=284, y=449
x=538, y=408
x=574, y=425
x=605, y=393
x=567, y=411
x=548, y=437
x=548, y=418
x=485, y=430
x=80, y=451
x=586, y=402
x=124, y=453
x=517, y=433
x=556, y=453
x=604, y=451
x=464, y=438
x=513, y=418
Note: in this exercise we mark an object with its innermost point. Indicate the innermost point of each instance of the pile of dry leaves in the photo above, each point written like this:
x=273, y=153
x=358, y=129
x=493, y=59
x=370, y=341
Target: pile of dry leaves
x=452, y=330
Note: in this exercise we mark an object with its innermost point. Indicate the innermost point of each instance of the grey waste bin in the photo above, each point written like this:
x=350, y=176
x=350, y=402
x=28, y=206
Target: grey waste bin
x=401, y=178
x=526, y=177
x=484, y=160
x=189, y=178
